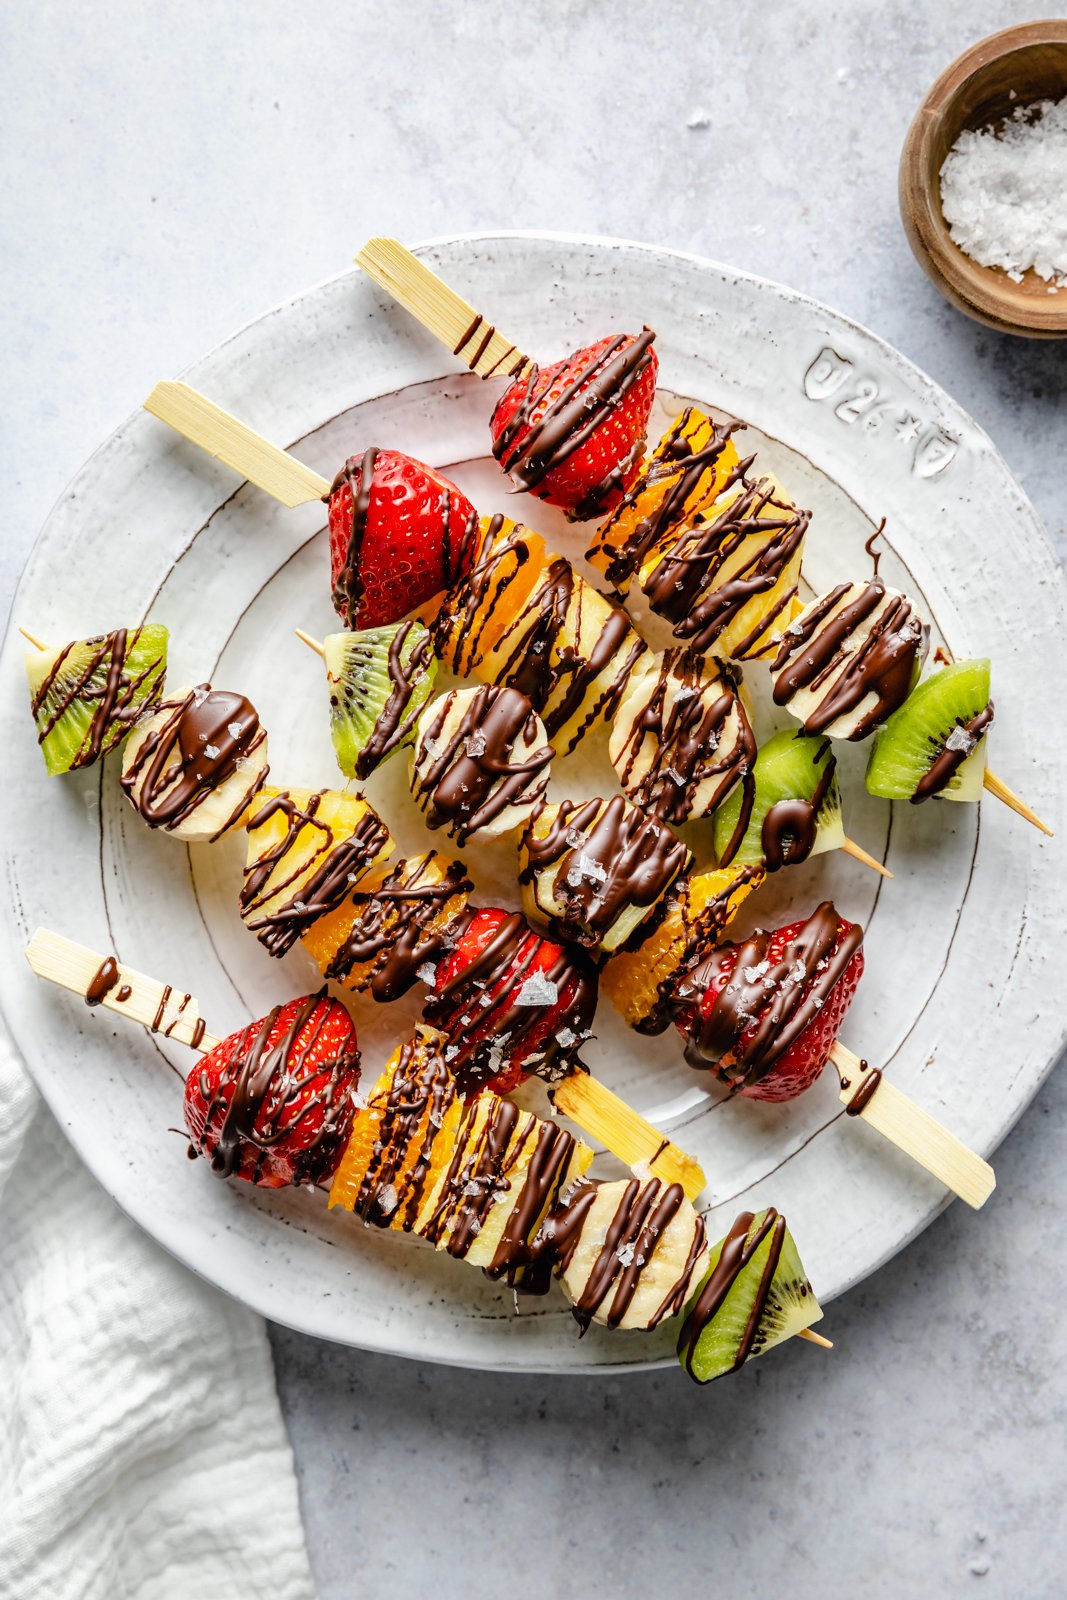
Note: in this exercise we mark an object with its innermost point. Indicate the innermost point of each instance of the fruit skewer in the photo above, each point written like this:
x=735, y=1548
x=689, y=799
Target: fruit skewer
x=572, y=433
x=848, y=666
x=763, y=1017
x=399, y=530
x=275, y=1104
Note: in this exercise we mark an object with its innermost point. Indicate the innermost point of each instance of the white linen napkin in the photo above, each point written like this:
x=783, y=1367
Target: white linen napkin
x=142, y=1450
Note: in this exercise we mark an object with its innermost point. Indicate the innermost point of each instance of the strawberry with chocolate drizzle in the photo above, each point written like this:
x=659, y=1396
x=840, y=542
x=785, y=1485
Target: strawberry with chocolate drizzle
x=510, y=1003
x=574, y=433
x=762, y=1015
x=275, y=1102
x=400, y=533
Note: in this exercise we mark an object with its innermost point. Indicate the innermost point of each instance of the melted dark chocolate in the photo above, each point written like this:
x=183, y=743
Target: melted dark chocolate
x=945, y=765
x=204, y=739
x=466, y=777
x=737, y=1251
x=400, y=925
x=115, y=704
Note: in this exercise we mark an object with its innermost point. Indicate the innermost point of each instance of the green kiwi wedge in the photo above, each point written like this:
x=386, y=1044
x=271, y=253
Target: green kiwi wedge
x=788, y=807
x=934, y=744
x=380, y=679
x=87, y=696
x=754, y=1295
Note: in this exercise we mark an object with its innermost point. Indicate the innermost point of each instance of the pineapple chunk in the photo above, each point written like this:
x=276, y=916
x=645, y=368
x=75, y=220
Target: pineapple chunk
x=306, y=849
x=689, y=469
x=728, y=581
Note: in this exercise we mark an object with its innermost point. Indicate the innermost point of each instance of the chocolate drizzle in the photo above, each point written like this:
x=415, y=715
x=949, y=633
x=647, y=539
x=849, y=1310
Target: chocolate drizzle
x=276, y=1089
x=737, y=1250
x=478, y=1007
x=483, y=332
x=461, y=625
x=818, y=652
x=530, y=446
x=358, y=474
x=764, y=1005
x=202, y=740
x=676, y=738
x=394, y=1180
x=688, y=586
x=603, y=857
x=320, y=878
x=865, y=1091
x=104, y=979
x=401, y=924
x=642, y=1217
x=116, y=702
x=396, y=720
x=544, y=659
x=945, y=765
x=476, y=755
x=682, y=471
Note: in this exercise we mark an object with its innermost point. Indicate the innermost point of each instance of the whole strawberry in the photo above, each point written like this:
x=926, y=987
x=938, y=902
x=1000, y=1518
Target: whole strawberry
x=274, y=1103
x=573, y=433
x=511, y=1003
x=765, y=1013
x=400, y=533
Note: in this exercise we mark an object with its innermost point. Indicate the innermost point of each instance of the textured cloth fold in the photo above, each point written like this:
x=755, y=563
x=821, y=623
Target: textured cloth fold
x=142, y=1450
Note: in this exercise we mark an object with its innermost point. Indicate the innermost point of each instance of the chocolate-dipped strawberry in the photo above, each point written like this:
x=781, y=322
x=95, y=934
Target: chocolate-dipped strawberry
x=275, y=1103
x=400, y=533
x=593, y=871
x=681, y=740
x=573, y=433
x=511, y=1003
x=480, y=761
x=763, y=1015
x=850, y=659
x=193, y=766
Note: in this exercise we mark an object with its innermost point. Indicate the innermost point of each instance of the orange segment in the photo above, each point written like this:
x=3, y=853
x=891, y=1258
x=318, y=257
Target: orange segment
x=508, y=561
x=689, y=468
x=638, y=979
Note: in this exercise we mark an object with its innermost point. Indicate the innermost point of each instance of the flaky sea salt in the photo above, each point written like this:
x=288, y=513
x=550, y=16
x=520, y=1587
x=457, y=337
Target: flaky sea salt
x=960, y=739
x=211, y=751
x=537, y=991
x=1004, y=193
x=475, y=744
x=427, y=972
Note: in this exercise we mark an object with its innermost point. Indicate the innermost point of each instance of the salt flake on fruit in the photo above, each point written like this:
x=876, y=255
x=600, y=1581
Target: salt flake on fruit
x=388, y=1200
x=537, y=991
x=234, y=729
x=625, y=1255
x=427, y=972
x=212, y=752
x=960, y=740
x=474, y=745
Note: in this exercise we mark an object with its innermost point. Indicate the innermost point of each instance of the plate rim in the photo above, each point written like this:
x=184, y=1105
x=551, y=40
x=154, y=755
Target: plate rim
x=404, y=1347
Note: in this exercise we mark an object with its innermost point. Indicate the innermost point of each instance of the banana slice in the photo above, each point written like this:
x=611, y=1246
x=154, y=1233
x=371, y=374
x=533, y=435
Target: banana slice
x=632, y=1251
x=196, y=763
x=850, y=658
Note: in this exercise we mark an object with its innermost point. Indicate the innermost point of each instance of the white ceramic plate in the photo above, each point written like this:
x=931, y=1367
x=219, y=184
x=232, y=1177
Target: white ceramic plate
x=960, y=999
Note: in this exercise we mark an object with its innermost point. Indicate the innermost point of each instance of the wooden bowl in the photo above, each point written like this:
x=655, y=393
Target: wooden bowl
x=974, y=91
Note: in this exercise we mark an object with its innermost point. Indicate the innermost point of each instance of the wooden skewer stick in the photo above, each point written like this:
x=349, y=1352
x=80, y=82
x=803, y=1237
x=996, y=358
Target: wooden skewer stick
x=37, y=644
x=234, y=444
x=865, y=1093
x=176, y=1015
x=447, y=315
x=815, y=1338
x=857, y=852
x=157, y=1006
x=626, y=1134
x=998, y=787
x=312, y=644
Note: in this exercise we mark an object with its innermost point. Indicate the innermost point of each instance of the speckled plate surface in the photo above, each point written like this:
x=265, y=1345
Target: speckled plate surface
x=961, y=998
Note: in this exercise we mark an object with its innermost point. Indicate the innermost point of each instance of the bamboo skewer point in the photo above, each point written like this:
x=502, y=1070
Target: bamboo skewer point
x=601, y=1113
x=998, y=787
x=815, y=1338
x=858, y=853
x=312, y=644
x=37, y=645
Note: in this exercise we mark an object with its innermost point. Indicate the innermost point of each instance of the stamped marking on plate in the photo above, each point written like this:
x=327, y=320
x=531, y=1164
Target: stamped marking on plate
x=864, y=398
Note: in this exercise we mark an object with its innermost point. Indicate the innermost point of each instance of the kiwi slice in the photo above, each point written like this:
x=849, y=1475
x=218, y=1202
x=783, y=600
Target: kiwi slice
x=380, y=679
x=791, y=773
x=87, y=696
x=754, y=1295
x=935, y=742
